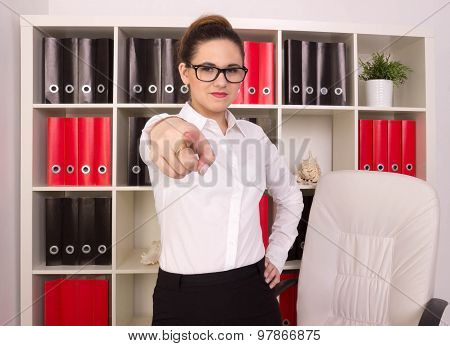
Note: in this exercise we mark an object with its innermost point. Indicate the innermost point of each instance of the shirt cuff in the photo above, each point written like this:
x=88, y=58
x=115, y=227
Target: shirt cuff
x=277, y=256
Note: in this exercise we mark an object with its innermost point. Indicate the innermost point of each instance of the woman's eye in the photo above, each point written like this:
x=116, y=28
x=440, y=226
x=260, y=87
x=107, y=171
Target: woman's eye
x=206, y=69
x=233, y=70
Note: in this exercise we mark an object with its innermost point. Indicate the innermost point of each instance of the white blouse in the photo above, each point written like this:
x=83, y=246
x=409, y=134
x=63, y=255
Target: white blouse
x=211, y=223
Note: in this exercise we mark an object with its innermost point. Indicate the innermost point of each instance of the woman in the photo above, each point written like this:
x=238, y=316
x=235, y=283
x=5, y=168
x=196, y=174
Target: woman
x=209, y=171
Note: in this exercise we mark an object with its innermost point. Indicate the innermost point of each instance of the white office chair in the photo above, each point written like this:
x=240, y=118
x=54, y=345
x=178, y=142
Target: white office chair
x=370, y=252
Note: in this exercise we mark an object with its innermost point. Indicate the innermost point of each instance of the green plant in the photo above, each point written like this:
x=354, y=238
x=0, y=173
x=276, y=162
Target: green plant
x=379, y=67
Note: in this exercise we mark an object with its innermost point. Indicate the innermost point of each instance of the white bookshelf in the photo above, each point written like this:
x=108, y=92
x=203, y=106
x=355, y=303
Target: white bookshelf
x=331, y=132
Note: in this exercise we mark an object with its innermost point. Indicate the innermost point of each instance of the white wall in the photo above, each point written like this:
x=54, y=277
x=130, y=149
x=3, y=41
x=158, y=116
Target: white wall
x=402, y=12
x=10, y=153
x=410, y=13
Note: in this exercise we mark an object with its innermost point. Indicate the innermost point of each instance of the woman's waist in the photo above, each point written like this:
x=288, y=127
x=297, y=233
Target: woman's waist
x=174, y=279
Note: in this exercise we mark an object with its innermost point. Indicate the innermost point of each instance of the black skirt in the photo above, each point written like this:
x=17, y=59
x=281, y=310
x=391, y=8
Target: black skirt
x=236, y=297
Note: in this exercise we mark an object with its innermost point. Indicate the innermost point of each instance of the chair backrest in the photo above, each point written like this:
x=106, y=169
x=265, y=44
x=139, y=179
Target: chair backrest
x=370, y=250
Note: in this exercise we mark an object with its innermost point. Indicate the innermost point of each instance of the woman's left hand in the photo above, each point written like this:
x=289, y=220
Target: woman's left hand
x=271, y=273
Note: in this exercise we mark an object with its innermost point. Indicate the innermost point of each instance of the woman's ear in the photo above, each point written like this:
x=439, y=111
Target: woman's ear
x=184, y=73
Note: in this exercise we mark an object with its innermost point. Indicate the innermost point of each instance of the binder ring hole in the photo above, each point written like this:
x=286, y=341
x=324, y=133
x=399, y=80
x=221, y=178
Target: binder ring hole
x=309, y=90
x=395, y=167
x=184, y=88
x=54, y=250
x=56, y=169
x=285, y=322
x=251, y=90
x=323, y=91
x=137, y=88
x=85, y=169
x=102, y=249
x=101, y=88
x=70, y=169
x=367, y=167
x=86, y=88
x=102, y=169
x=266, y=91
x=53, y=88
x=86, y=249
x=70, y=249
x=380, y=167
x=152, y=89
x=69, y=88
x=338, y=91
x=302, y=245
x=169, y=88
x=136, y=169
x=409, y=167
x=295, y=89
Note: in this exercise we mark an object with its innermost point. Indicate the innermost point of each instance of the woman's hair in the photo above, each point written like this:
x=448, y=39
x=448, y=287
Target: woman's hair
x=205, y=28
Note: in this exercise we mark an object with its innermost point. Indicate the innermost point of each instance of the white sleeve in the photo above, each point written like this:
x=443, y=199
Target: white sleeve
x=144, y=144
x=287, y=196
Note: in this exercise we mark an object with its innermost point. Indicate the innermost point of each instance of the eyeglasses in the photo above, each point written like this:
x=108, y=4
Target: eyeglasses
x=207, y=73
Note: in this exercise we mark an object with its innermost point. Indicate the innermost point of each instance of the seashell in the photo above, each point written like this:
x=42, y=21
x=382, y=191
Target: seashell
x=309, y=172
x=153, y=253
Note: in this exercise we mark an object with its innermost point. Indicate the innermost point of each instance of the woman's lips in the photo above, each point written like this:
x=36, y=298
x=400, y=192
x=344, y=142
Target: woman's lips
x=219, y=95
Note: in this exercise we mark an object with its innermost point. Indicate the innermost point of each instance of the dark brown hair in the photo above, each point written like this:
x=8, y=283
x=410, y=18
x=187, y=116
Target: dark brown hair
x=205, y=28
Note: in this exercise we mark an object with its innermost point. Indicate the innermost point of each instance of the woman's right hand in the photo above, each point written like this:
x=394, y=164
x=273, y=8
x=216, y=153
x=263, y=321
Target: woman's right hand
x=172, y=135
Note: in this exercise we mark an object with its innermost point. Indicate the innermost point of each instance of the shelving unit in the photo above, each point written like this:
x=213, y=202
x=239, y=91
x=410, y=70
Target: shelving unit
x=330, y=132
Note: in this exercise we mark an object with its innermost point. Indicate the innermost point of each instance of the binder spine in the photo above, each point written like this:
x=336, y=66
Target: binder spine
x=52, y=81
x=70, y=245
x=86, y=230
x=103, y=70
x=266, y=86
x=70, y=70
x=103, y=230
x=86, y=151
x=102, y=153
x=292, y=72
x=251, y=81
x=380, y=152
x=71, y=151
x=55, y=150
x=309, y=53
x=153, y=62
x=86, y=76
x=339, y=74
x=53, y=224
x=365, y=144
x=168, y=71
x=323, y=69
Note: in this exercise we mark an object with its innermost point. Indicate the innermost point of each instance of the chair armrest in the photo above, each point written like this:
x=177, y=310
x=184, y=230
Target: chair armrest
x=283, y=285
x=433, y=312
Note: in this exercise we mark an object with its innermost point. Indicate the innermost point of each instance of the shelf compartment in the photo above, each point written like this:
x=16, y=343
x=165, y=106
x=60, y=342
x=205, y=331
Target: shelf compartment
x=123, y=34
x=347, y=38
x=59, y=32
x=40, y=136
x=39, y=232
x=123, y=116
x=137, y=227
x=38, y=281
x=409, y=51
x=421, y=143
x=134, y=299
x=330, y=135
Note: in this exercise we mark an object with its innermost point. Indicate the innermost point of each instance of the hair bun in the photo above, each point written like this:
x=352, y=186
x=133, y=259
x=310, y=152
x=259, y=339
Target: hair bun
x=211, y=20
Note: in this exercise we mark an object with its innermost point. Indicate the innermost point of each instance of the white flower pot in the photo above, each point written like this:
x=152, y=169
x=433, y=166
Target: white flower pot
x=379, y=92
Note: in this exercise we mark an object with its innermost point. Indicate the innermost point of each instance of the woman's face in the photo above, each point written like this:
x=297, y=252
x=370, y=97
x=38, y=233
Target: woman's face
x=219, y=53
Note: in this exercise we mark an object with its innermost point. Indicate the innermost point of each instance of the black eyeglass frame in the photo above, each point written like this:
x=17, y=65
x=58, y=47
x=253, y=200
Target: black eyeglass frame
x=219, y=71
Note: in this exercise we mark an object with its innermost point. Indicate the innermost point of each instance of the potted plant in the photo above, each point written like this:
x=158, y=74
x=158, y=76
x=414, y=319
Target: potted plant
x=381, y=75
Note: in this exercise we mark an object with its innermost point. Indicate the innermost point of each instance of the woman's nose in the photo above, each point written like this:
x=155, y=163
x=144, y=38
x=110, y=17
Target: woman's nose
x=221, y=80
